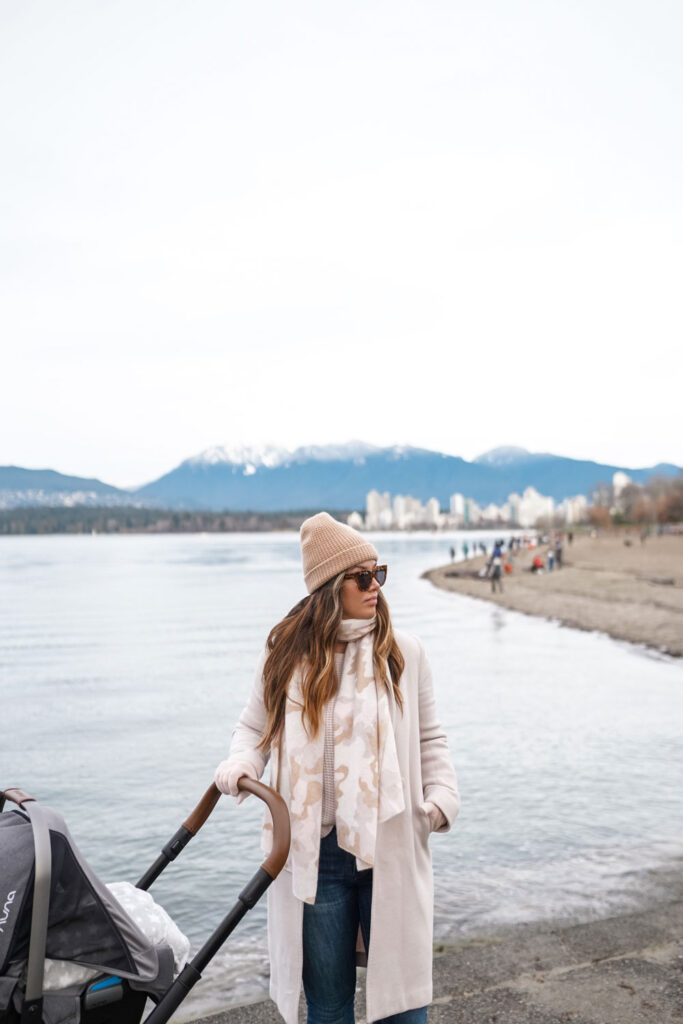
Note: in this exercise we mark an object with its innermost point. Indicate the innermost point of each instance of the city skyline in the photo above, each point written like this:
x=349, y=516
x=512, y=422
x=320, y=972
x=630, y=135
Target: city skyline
x=384, y=511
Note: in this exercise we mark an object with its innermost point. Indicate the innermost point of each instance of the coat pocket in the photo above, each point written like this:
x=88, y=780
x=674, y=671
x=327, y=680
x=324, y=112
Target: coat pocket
x=424, y=821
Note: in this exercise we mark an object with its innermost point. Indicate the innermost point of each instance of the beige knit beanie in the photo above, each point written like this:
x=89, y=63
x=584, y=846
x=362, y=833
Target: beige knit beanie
x=328, y=547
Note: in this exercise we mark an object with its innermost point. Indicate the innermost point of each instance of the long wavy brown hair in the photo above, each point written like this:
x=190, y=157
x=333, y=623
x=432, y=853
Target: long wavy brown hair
x=307, y=636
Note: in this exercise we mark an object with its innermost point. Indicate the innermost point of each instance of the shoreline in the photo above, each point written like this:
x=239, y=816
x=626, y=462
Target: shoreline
x=478, y=950
x=624, y=969
x=617, y=585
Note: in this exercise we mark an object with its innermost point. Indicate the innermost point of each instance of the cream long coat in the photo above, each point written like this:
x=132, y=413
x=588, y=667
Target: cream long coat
x=399, y=975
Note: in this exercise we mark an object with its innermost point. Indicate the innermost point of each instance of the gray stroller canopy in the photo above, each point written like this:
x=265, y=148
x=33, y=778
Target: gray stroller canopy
x=74, y=917
x=85, y=924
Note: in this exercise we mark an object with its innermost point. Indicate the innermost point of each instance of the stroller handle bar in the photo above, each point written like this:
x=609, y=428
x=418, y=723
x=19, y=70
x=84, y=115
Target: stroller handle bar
x=278, y=811
x=16, y=795
x=273, y=864
x=192, y=824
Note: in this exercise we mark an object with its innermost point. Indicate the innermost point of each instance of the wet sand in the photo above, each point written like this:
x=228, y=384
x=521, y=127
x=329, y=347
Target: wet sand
x=631, y=591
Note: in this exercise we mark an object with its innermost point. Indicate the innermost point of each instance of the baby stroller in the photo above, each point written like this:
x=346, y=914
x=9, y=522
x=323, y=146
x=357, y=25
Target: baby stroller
x=53, y=905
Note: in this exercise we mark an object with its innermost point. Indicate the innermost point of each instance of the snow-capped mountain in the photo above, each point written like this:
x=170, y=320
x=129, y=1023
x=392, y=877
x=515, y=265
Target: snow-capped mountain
x=270, y=478
x=252, y=457
x=506, y=456
x=268, y=455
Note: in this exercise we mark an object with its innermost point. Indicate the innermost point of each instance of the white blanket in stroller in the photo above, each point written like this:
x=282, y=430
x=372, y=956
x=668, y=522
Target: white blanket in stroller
x=152, y=920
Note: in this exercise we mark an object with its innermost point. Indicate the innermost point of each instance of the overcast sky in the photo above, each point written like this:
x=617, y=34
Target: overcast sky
x=450, y=224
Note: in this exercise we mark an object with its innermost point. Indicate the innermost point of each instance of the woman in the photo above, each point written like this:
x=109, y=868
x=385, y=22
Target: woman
x=343, y=705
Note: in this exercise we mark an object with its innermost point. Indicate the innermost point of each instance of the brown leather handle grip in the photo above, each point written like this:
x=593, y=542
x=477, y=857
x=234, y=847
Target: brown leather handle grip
x=16, y=795
x=274, y=863
x=198, y=816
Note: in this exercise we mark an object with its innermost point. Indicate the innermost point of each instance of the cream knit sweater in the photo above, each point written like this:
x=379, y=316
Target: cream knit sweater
x=329, y=812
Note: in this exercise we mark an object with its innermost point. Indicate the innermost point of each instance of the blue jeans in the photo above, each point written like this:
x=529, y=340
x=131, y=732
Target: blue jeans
x=343, y=902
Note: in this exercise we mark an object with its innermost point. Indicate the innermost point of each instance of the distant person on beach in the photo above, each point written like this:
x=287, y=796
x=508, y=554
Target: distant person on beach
x=496, y=569
x=343, y=706
x=558, y=552
x=452, y=554
x=537, y=564
x=551, y=559
x=465, y=549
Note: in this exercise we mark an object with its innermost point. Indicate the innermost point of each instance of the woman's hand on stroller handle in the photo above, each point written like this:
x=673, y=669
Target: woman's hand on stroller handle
x=228, y=775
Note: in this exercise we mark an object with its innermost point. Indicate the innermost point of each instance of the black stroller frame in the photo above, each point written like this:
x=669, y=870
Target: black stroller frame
x=111, y=999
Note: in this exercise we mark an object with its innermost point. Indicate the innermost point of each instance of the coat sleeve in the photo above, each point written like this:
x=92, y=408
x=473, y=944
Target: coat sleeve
x=250, y=727
x=439, y=783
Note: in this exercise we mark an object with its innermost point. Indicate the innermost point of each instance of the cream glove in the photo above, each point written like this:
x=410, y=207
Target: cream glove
x=437, y=819
x=228, y=774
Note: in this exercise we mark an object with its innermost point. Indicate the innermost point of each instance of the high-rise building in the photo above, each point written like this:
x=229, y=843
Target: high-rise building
x=532, y=506
x=378, y=510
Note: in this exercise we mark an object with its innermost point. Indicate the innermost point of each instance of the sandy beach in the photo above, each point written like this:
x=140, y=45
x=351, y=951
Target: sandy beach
x=612, y=583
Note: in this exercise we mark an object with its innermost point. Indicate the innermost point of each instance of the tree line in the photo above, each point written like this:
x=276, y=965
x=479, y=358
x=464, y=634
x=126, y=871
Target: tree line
x=141, y=520
x=659, y=501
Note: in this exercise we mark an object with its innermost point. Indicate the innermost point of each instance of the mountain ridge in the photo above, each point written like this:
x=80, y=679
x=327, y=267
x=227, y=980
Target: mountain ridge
x=271, y=478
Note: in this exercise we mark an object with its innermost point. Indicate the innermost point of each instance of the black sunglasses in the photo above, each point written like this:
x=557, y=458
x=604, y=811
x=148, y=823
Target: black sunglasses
x=365, y=577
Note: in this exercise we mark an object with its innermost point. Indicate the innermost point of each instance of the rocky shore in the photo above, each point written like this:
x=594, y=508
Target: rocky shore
x=613, y=583
x=626, y=969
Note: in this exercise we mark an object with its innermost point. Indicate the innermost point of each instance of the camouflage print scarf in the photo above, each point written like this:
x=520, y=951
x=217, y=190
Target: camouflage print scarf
x=367, y=776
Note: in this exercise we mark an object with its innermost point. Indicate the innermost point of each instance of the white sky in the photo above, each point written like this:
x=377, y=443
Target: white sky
x=449, y=224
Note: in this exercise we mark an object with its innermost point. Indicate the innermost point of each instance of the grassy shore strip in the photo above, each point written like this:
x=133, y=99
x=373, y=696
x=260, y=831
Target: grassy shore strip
x=626, y=969
x=615, y=584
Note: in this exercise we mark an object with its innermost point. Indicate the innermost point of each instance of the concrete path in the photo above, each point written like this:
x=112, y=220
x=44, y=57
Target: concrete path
x=621, y=970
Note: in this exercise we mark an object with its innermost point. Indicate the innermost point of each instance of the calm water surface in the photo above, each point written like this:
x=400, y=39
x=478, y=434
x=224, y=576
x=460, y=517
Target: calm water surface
x=125, y=661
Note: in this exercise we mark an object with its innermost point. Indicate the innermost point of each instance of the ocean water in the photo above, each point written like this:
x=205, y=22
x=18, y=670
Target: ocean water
x=125, y=661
